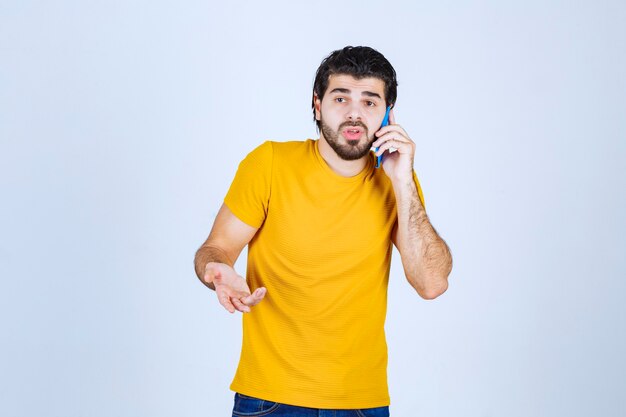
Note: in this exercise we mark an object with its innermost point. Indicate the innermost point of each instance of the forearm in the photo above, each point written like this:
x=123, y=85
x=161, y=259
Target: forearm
x=426, y=258
x=206, y=254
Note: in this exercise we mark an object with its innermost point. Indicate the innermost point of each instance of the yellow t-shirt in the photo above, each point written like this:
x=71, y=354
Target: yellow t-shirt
x=323, y=251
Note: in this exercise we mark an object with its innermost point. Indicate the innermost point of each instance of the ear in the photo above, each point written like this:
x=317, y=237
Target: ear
x=317, y=103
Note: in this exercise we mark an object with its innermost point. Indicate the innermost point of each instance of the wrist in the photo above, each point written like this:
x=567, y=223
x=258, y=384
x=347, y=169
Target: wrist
x=403, y=180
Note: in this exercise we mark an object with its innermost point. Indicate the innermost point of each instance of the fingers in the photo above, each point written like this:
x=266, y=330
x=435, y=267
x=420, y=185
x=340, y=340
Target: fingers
x=239, y=305
x=385, y=136
x=391, y=140
x=256, y=297
x=240, y=301
x=243, y=303
x=231, y=301
x=391, y=127
x=224, y=300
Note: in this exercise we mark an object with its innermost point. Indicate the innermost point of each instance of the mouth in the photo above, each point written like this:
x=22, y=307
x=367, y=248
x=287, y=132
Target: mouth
x=352, y=133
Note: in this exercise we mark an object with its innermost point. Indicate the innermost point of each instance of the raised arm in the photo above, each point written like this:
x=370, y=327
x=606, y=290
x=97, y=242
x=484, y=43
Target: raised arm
x=426, y=258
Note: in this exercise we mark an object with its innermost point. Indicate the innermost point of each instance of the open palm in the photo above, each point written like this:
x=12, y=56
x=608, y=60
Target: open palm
x=232, y=289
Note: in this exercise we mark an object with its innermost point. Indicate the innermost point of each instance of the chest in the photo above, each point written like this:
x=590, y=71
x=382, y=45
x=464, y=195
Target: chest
x=311, y=215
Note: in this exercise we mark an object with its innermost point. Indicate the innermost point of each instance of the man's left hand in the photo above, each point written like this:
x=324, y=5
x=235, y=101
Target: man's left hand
x=398, y=165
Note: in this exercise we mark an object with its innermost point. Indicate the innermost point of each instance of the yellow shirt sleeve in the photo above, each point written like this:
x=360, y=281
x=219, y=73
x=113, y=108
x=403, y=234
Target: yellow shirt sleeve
x=249, y=194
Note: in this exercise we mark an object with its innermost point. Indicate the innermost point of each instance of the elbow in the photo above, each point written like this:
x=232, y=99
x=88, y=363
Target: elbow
x=431, y=288
x=433, y=292
x=438, y=282
x=431, y=280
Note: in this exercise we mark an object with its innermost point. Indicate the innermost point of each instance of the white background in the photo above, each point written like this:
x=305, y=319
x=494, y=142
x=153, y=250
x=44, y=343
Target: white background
x=121, y=127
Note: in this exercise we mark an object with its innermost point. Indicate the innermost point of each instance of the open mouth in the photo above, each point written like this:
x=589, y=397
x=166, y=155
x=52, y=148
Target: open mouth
x=352, y=133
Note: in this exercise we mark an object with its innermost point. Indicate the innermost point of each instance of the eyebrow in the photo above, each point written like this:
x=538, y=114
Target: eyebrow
x=364, y=93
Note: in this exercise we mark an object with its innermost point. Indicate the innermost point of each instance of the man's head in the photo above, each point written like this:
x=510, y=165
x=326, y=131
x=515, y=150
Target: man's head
x=352, y=89
x=359, y=62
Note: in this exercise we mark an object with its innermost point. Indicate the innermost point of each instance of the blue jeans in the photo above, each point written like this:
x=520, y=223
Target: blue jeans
x=246, y=406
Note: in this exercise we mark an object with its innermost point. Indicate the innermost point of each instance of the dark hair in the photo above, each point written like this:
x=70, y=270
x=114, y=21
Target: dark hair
x=359, y=62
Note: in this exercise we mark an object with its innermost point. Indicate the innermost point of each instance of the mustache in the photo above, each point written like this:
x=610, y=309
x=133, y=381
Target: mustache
x=353, y=124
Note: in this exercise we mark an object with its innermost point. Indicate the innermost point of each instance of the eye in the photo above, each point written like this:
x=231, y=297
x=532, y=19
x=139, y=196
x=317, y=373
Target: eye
x=371, y=103
x=340, y=98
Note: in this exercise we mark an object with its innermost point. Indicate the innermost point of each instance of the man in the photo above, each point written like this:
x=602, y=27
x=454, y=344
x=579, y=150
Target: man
x=319, y=220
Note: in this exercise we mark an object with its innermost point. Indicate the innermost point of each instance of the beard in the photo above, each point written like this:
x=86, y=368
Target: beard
x=353, y=149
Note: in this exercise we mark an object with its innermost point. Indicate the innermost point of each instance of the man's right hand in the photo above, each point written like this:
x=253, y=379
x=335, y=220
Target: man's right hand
x=232, y=290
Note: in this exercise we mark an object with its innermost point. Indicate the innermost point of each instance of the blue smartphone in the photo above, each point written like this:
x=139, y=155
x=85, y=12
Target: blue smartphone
x=385, y=122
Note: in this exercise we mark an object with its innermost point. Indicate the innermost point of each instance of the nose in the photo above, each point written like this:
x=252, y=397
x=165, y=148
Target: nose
x=354, y=112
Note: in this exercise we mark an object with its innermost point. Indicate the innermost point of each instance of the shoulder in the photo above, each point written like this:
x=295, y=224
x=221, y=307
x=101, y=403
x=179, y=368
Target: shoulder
x=293, y=146
x=264, y=149
x=270, y=147
x=260, y=156
x=287, y=152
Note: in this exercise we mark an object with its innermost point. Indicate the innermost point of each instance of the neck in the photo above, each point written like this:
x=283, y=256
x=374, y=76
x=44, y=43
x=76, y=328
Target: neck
x=337, y=164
